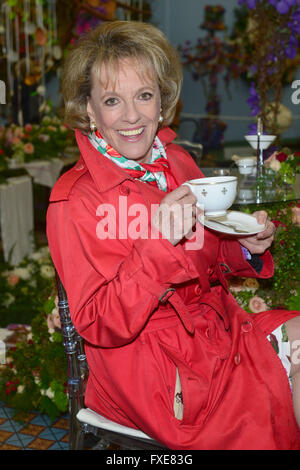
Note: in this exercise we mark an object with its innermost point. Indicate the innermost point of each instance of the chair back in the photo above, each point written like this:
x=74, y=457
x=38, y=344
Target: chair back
x=77, y=367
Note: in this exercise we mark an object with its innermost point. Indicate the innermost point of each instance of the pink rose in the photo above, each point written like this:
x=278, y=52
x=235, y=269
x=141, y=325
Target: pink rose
x=270, y=159
x=28, y=148
x=28, y=127
x=296, y=215
x=13, y=279
x=56, y=318
x=257, y=304
x=50, y=323
x=53, y=321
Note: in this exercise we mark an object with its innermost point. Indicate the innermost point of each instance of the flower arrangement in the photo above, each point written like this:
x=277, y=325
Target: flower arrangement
x=269, y=46
x=22, y=144
x=213, y=18
x=284, y=165
x=24, y=288
x=34, y=374
x=283, y=289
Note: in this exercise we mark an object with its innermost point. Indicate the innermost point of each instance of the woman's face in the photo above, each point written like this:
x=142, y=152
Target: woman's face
x=126, y=111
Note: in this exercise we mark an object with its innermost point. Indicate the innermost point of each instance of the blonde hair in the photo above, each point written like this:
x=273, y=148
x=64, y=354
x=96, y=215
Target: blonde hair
x=107, y=45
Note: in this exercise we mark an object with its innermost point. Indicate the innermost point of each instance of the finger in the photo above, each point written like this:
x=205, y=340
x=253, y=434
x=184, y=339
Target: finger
x=176, y=195
x=181, y=192
x=261, y=217
x=268, y=232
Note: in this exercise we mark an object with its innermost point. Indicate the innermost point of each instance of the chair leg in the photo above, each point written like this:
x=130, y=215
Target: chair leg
x=76, y=436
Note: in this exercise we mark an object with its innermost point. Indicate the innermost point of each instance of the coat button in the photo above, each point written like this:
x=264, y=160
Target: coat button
x=237, y=359
x=124, y=190
x=198, y=289
x=246, y=326
x=79, y=167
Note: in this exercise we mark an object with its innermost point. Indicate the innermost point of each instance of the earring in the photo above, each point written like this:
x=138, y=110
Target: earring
x=160, y=120
x=93, y=126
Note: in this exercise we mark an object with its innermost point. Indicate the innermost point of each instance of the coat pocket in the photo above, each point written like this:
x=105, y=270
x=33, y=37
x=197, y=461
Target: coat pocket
x=190, y=392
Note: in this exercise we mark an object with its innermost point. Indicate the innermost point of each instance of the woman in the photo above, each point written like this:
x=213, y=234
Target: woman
x=170, y=351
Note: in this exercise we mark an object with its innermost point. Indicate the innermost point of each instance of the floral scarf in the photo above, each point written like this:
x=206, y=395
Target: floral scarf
x=155, y=172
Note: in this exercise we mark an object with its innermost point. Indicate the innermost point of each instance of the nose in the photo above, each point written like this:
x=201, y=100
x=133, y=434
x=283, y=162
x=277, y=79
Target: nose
x=131, y=112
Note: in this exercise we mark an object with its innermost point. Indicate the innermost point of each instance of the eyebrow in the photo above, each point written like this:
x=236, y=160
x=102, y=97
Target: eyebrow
x=112, y=92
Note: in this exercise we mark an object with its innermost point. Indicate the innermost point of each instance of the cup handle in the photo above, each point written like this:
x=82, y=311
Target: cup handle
x=200, y=206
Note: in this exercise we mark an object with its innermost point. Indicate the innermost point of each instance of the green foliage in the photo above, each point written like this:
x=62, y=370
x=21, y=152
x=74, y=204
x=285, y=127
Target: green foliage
x=35, y=373
x=34, y=376
x=24, y=288
x=283, y=289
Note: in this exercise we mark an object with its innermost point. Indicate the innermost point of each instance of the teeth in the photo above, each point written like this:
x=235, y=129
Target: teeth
x=135, y=132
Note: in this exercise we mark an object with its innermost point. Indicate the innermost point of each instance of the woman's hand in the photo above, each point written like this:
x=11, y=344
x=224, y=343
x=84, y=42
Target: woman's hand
x=259, y=243
x=177, y=214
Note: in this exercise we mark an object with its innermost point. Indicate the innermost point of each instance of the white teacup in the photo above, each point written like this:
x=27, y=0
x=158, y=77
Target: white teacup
x=215, y=194
x=246, y=166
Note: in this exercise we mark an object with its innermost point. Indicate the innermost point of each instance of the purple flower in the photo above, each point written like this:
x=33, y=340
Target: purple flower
x=273, y=2
x=252, y=129
x=282, y=7
x=290, y=48
x=253, y=100
x=251, y=4
x=294, y=24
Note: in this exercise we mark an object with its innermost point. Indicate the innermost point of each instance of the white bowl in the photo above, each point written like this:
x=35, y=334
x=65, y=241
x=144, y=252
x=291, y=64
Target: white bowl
x=265, y=140
x=246, y=166
x=215, y=194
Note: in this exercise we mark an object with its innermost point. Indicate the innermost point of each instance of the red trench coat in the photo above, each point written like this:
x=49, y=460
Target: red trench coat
x=236, y=393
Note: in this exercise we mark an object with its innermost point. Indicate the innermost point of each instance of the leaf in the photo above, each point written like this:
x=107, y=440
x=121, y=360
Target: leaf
x=49, y=305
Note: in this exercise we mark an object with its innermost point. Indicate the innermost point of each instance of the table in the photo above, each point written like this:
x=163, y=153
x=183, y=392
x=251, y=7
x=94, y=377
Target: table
x=247, y=193
x=16, y=218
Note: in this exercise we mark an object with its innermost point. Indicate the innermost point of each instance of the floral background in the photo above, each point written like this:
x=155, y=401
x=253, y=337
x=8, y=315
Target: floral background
x=34, y=373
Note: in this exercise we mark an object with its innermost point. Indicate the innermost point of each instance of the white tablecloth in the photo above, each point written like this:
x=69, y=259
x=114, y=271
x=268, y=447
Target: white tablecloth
x=16, y=218
x=44, y=172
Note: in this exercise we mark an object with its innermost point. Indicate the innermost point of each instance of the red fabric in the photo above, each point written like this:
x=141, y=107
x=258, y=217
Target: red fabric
x=160, y=165
x=235, y=391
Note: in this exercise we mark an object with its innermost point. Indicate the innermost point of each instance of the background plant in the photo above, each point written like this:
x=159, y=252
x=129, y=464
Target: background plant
x=268, y=33
x=283, y=289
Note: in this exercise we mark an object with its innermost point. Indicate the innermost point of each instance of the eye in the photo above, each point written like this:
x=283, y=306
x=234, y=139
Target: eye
x=111, y=101
x=146, y=95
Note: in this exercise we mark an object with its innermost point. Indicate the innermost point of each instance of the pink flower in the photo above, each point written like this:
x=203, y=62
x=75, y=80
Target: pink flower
x=257, y=304
x=44, y=137
x=13, y=279
x=15, y=140
x=56, y=318
x=28, y=127
x=50, y=323
x=53, y=320
x=28, y=148
x=296, y=215
x=270, y=159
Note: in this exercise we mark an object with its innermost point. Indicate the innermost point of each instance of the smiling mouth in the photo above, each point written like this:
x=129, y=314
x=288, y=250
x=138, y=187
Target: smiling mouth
x=131, y=133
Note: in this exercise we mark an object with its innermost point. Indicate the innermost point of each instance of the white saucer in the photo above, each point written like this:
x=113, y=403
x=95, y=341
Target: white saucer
x=248, y=222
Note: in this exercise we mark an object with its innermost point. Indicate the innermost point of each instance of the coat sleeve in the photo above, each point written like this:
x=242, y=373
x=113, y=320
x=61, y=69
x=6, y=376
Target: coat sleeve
x=113, y=286
x=231, y=255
